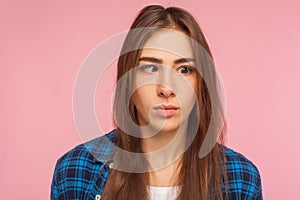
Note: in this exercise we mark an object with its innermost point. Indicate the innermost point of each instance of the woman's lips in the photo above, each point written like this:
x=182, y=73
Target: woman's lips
x=166, y=110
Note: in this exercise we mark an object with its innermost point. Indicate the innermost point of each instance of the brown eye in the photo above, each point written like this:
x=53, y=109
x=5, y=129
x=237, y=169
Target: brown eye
x=186, y=69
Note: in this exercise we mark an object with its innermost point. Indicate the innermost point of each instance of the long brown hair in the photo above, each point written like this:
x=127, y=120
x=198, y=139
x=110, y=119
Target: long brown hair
x=199, y=178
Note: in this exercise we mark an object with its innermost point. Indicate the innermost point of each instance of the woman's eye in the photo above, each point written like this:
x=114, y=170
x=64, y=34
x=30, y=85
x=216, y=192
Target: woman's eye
x=186, y=69
x=148, y=68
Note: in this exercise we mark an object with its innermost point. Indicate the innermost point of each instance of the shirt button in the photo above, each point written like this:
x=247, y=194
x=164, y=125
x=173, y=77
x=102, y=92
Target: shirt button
x=110, y=165
x=98, y=197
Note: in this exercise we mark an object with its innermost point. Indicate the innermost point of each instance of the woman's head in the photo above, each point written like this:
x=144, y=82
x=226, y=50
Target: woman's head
x=151, y=22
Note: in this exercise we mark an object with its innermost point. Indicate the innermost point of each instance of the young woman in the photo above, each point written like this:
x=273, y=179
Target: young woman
x=170, y=123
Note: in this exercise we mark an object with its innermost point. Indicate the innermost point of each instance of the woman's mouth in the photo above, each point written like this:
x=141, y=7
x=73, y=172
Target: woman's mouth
x=166, y=110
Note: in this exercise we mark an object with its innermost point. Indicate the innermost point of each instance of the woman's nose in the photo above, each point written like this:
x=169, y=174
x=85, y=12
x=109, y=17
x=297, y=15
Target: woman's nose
x=165, y=87
x=164, y=91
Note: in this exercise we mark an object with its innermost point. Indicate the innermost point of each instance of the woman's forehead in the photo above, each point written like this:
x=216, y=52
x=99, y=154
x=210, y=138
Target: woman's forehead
x=169, y=41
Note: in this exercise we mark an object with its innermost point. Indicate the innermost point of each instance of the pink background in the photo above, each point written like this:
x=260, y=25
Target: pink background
x=43, y=44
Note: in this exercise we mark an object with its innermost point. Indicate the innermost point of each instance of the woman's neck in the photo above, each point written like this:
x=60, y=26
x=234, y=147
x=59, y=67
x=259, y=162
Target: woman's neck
x=166, y=176
x=164, y=148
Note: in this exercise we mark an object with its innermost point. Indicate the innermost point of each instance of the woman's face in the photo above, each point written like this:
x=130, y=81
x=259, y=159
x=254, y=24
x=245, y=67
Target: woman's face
x=165, y=81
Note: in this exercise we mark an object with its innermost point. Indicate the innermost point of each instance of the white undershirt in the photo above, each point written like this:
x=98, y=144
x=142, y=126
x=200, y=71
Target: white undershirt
x=163, y=193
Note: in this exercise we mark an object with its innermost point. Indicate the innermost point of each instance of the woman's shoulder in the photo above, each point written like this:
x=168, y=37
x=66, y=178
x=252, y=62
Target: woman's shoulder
x=243, y=175
x=83, y=170
x=236, y=160
x=97, y=149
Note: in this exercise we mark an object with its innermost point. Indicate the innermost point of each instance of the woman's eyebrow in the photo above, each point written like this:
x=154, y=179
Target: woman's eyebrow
x=159, y=61
x=183, y=60
x=151, y=59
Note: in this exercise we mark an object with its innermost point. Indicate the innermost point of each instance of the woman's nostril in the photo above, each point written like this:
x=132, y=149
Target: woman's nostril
x=165, y=92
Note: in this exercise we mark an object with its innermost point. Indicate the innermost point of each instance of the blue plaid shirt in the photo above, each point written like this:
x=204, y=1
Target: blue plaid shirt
x=82, y=172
